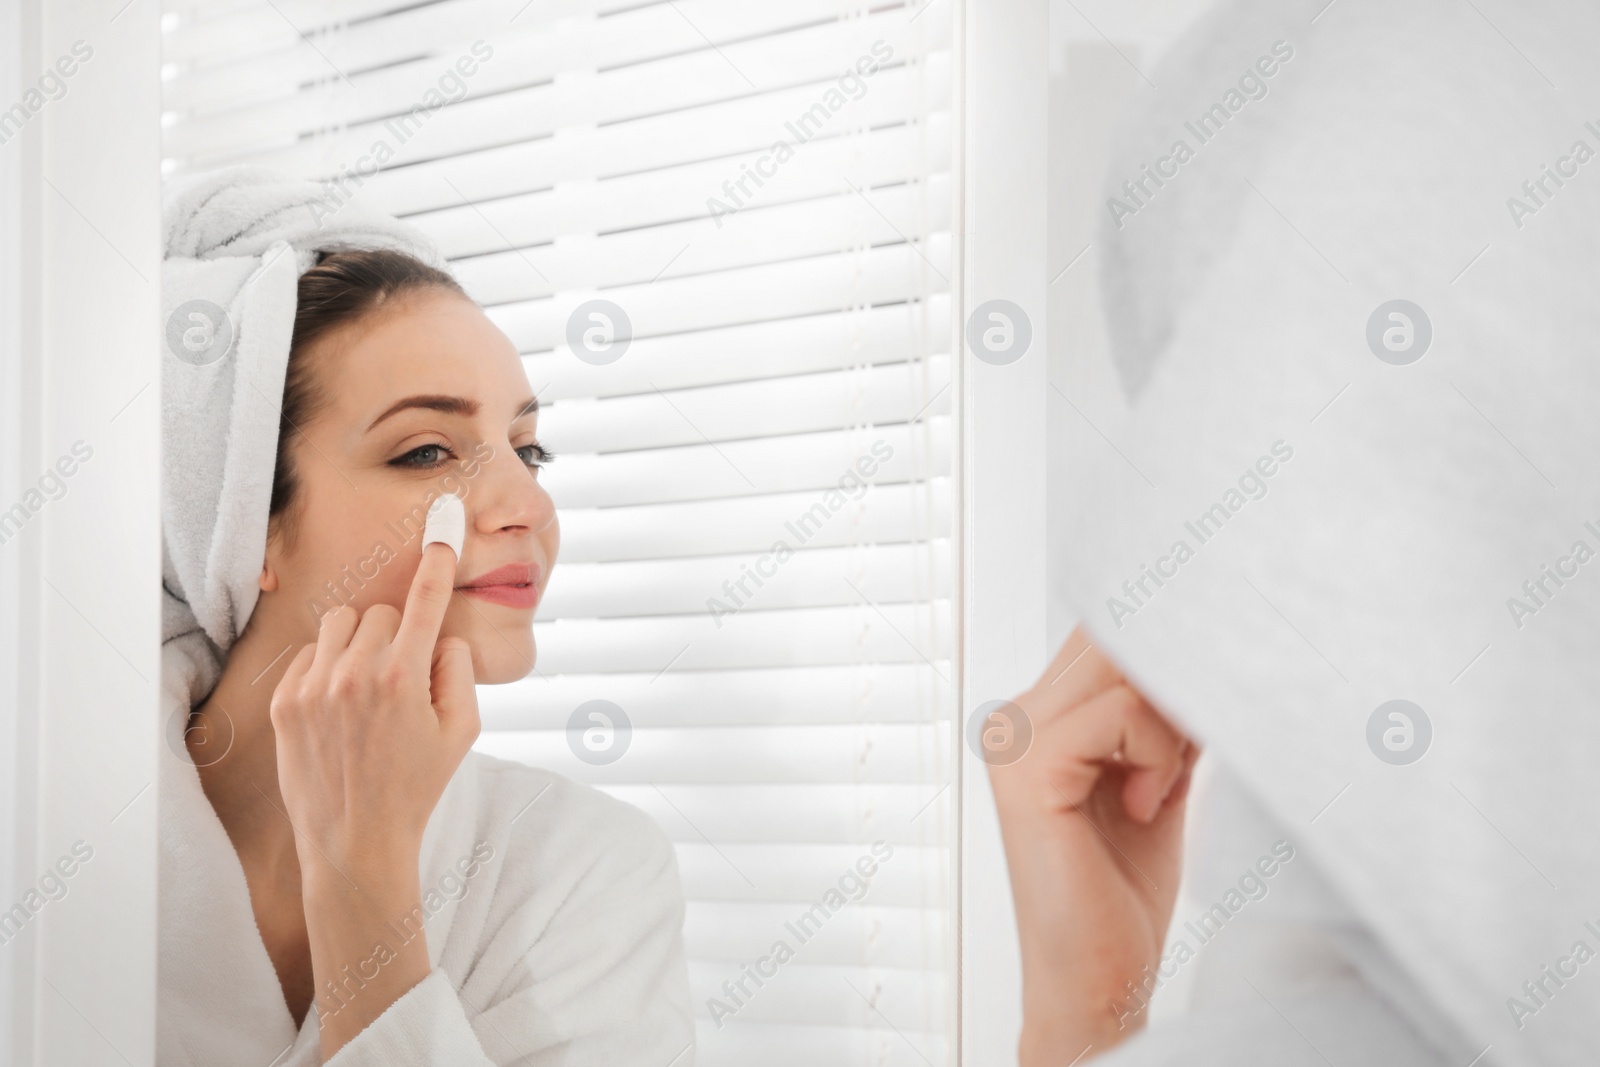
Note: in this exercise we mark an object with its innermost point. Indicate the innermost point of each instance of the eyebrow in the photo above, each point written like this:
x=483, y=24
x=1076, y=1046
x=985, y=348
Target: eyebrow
x=450, y=405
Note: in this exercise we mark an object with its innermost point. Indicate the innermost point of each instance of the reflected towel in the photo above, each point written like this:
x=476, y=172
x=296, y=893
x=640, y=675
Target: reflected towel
x=236, y=242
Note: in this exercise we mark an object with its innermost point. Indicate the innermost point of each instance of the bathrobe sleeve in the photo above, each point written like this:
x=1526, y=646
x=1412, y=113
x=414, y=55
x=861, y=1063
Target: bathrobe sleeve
x=578, y=958
x=427, y=1025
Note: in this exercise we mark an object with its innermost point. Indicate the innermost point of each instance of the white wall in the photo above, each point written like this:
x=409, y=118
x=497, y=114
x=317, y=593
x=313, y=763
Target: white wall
x=79, y=626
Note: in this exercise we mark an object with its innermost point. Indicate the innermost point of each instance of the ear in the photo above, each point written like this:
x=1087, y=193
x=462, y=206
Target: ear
x=268, y=580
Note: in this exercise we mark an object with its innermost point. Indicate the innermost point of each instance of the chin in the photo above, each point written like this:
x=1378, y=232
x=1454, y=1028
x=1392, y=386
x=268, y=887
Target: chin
x=502, y=657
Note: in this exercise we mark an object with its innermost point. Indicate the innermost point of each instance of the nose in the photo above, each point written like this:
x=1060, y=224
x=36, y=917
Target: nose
x=503, y=495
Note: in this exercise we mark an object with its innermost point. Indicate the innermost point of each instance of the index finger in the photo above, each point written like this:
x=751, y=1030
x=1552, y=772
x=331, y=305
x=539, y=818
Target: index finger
x=423, y=614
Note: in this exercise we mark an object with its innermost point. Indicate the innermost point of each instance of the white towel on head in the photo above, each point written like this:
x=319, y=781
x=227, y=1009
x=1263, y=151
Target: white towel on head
x=1381, y=550
x=236, y=242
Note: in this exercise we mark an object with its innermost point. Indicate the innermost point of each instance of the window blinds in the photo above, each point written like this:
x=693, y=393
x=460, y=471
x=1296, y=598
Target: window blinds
x=719, y=231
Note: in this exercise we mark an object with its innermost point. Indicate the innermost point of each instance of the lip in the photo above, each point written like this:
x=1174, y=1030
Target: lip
x=515, y=585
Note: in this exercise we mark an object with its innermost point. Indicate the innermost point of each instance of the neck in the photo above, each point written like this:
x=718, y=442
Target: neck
x=235, y=750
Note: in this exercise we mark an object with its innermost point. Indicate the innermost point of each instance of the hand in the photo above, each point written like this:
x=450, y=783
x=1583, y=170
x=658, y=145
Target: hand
x=371, y=723
x=1092, y=818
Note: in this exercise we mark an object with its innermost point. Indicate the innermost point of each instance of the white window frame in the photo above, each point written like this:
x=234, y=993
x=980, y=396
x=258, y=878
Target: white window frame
x=1004, y=88
x=79, y=587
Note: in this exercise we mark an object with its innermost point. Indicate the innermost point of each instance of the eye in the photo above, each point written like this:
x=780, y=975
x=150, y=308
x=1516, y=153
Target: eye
x=423, y=457
x=535, y=455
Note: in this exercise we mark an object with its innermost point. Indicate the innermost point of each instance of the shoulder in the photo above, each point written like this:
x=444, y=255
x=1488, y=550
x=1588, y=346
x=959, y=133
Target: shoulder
x=582, y=925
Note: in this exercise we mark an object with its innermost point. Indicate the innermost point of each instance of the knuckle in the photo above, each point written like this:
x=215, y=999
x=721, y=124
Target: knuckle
x=394, y=674
x=289, y=702
x=345, y=683
x=433, y=587
x=383, y=613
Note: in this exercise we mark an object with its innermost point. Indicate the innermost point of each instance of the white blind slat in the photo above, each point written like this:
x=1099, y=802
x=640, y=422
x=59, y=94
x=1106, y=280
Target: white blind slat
x=801, y=813
x=884, y=633
x=738, y=129
x=898, y=513
x=545, y=38
x=763, y=407
x=696, y=258
x=760, y=293
x=869, y=1041
x=801, y=874
x=875, y=159
x=788, y=347
x=673, y=82
x=882, y=752
x=822, y=993
x=754, y=466
x=724, y=932
x=807, y=579
x=814, y=693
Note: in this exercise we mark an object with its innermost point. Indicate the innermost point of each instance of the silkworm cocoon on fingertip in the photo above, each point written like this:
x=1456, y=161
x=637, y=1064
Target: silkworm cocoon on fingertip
x=447, y=522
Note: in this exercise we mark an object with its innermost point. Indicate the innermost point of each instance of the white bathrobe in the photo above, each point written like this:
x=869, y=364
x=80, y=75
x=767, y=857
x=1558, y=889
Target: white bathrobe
x=554, y=928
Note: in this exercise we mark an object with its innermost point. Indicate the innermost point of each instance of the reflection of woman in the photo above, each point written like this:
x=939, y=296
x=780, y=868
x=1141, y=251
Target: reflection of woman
x=1361, y=884
x=343, y=881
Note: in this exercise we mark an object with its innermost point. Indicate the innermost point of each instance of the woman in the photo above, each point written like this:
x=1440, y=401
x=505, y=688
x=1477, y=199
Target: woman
x=343, y=880
x=1355, y=332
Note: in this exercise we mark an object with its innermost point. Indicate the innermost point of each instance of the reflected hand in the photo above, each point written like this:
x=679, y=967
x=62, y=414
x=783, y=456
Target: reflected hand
x=371, y=722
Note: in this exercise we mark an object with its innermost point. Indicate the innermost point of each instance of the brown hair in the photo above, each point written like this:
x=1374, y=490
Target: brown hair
x=342, y=288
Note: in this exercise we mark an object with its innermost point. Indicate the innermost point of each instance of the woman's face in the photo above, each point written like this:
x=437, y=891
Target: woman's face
x=423, y=397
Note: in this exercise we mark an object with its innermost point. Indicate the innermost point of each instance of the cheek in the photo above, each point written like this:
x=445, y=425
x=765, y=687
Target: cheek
x=546, y=528
x=364, y=568
x=550, y=539
x=363, y=577
x=392, y=582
